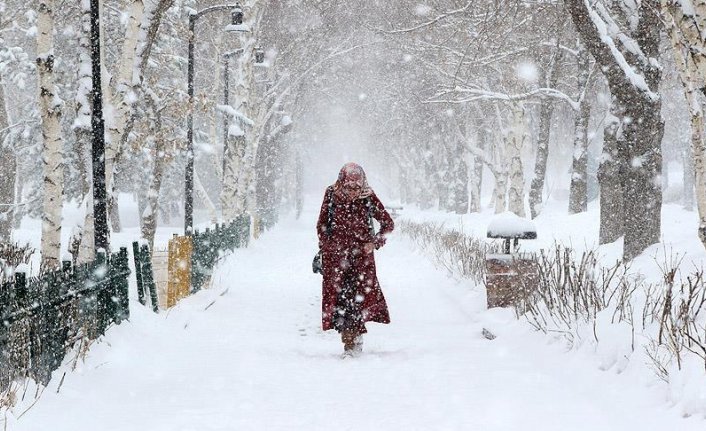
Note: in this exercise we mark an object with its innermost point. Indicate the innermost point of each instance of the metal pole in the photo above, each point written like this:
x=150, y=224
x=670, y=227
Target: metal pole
x=100, y=215
x=189, y=175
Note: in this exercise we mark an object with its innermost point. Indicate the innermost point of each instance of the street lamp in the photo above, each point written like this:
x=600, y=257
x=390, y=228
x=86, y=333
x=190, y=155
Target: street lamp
x=235, y=26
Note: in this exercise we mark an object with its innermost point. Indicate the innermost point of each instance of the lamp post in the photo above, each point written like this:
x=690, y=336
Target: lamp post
x=235, y=26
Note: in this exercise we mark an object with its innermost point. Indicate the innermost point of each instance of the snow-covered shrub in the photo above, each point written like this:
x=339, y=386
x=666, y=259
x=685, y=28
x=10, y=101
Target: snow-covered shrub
x=460, y=254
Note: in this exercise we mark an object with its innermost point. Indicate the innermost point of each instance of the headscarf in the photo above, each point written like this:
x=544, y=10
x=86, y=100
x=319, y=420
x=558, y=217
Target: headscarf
x=352, y=173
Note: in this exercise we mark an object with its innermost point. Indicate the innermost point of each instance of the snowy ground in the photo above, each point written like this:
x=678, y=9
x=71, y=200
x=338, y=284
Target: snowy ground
x=249, y=354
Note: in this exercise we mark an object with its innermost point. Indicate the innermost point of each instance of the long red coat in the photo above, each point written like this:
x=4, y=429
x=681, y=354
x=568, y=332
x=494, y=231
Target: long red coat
x=344, y=257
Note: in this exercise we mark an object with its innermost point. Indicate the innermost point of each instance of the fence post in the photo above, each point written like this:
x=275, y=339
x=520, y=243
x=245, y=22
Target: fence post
x=147, y=277
x=4, y=336
x=21, y=300
x=99, y=292
x=137, y=258
x=197, y=258
x=122, y=286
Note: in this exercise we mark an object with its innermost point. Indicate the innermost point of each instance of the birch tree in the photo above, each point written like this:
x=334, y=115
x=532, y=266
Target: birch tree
x=51, y=107
x=516, y=141
x=683, y=23
x=8, y=172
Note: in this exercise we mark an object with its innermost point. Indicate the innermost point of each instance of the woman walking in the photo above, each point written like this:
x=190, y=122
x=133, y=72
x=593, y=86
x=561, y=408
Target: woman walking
x=351, y=292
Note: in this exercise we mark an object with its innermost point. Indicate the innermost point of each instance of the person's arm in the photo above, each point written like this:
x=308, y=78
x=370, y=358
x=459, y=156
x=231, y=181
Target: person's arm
x=322, y=223
x=387, y=225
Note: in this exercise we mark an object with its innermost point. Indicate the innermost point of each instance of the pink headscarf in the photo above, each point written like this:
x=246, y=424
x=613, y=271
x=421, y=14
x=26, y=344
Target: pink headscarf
x=353, y=173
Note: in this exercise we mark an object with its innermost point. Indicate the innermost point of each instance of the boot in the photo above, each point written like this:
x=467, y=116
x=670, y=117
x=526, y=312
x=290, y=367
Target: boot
x=358, y=344
x=348, y=338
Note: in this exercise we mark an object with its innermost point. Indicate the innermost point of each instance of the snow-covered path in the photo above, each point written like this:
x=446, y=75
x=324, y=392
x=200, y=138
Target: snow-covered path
x=249, y=354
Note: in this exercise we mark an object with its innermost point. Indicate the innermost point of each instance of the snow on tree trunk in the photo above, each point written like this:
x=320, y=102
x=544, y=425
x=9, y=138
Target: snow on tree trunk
x=50, y=107
x=86, y=251
x=578, y=191
x=121, y=102
x=8, y=175
x=140, y=35
x=245, y=96
x=611, y=189
x=516, y=141
x=683, y=41
x=83, y=131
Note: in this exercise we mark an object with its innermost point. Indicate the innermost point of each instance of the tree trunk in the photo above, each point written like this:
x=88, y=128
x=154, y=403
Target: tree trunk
x=83, y=132
x=50, y=107
x=688, y=73
x=611, y=189
x=578, y=192
x=688, y=179
x=476, y=178
x=121, y=106
x=516, y=190
x=87, y=250
x=635, y=93
x=149, y=217
x=8, y=174
x=642, y=193
x=546, y=109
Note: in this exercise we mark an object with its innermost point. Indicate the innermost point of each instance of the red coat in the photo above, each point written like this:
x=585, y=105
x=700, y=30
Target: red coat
x=343, y=254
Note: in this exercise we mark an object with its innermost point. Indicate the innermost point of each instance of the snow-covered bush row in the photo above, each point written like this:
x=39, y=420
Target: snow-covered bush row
x=611, y=310
x=460, y=254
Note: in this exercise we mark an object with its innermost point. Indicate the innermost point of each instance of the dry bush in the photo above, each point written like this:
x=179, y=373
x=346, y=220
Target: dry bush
x=570, y=291
x=460, y=254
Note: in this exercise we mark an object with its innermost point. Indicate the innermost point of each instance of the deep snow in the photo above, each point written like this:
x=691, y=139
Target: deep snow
x=249, y=354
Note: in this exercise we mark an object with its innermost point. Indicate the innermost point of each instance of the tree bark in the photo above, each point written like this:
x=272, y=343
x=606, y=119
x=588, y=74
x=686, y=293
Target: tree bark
x=50, y=107
x=476, y=180
x=516, y=190
x=8, y=174
x=611, y=189
x=578, y=191
x=688, y=179
x=546, y=109
x=83, y=132
x=683, y=46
